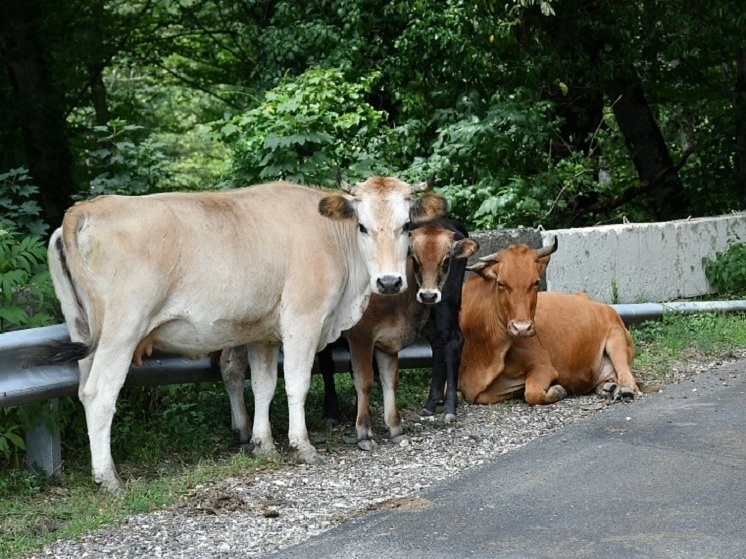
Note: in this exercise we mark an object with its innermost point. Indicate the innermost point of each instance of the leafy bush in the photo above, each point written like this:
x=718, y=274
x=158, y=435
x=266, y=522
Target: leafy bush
x=305, y=128
x=26, y=293
x=726, y=271
x=20, y=210
x=491, y=157
x=132, y=165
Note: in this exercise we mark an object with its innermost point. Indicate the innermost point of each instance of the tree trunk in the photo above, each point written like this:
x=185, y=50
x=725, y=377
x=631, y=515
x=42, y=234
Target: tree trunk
x=740, y=119
x=648, y=148
x=41, y=111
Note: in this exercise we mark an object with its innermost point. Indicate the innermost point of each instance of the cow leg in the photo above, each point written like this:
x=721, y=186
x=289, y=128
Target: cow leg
x=539, y=388
x=263, y=362
x=388, y=371
x=233, y=365
x=300, y=350
x=361, y=354
x=438, y=379
x=452, y=363
x=620, y=350
x=99, y=396
x=445, y=337
x=331, y=403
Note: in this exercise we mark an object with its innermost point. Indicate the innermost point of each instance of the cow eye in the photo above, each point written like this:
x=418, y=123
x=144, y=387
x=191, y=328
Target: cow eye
x=407, y=227
x=362, y=228
x=500, y=285
x=446, y=263
x=537, y=284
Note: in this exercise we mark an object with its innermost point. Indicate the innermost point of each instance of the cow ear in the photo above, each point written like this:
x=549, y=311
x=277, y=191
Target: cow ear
x=544, y=254
x=465, y=248
x=543, y=262
x=336, y=206
x=428, y=207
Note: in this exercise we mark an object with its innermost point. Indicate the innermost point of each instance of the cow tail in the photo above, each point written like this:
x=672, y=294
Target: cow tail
x=77, y=294
x=57, y=353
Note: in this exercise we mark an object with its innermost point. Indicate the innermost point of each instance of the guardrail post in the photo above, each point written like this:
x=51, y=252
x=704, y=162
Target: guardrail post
x=43, y=446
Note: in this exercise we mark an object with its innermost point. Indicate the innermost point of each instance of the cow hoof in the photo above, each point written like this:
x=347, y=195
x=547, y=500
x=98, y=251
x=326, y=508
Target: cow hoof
x=114, y=485
x=331, y=422
x=607, y=390
x=246, y=448
x=398, y=438
x=555, y=393
x=449, y=418
x=367, y=444
x=310, y=457
x=424, y=412
x=624, y=393
x=265, y=451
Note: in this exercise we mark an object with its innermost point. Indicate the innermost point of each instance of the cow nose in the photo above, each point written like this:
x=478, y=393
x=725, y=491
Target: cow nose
x=428, y=297
x=389, y=285
x=521, y=328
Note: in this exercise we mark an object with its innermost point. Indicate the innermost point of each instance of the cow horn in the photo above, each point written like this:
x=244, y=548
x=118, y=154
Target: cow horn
x=483, y=262
x=344, y=186
x=423, y=186
x=547, y=250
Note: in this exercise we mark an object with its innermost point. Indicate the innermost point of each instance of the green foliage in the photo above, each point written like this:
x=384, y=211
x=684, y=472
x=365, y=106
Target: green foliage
x=677, y=337
x=306, y=127
x=726, y=270
x=10, y=440
x=26, y=292
x=491, y=159
x=131, y=166
x=27, y=296
x=18, y=205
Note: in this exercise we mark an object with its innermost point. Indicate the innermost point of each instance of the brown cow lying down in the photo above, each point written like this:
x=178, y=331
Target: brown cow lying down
x=544, y=345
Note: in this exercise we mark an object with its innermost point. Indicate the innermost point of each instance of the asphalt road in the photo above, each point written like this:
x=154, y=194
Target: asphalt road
x=664, y=477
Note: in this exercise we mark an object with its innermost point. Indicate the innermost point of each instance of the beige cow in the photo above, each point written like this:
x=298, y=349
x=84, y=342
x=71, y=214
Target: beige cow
x=191, y=273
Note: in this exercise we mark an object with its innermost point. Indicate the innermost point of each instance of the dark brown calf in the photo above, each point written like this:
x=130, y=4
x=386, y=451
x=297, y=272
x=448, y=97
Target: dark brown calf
x=544, y=345
x=438, y=259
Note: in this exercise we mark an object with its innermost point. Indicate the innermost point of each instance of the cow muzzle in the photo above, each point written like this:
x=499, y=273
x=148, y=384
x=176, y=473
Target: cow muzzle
x=389, y=285
x=521, y=328
x=428, y=296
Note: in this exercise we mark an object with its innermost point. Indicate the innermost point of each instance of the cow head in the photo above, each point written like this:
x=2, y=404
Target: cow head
x=384, y=211
x=433, y=249
x=516, y=271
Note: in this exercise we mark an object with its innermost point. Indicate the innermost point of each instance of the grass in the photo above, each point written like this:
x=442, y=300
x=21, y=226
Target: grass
x=169, y=440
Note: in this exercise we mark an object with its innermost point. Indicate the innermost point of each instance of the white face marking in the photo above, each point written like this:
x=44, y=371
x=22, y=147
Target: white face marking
x=383, y=238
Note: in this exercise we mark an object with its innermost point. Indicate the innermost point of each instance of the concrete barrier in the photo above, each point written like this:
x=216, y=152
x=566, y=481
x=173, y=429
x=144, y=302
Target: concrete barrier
x=640, y=262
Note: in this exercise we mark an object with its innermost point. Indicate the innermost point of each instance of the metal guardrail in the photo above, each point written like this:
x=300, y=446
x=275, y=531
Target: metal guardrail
x=20, y=385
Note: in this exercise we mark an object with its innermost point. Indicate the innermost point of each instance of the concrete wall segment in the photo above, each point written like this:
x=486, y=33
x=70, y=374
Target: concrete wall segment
x=630, y=262
x=639, y=262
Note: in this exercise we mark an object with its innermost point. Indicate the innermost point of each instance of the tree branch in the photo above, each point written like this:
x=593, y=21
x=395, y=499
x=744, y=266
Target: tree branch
x=613, y=202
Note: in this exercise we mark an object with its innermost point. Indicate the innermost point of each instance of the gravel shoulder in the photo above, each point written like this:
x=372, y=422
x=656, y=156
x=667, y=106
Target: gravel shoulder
x=269, y=510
